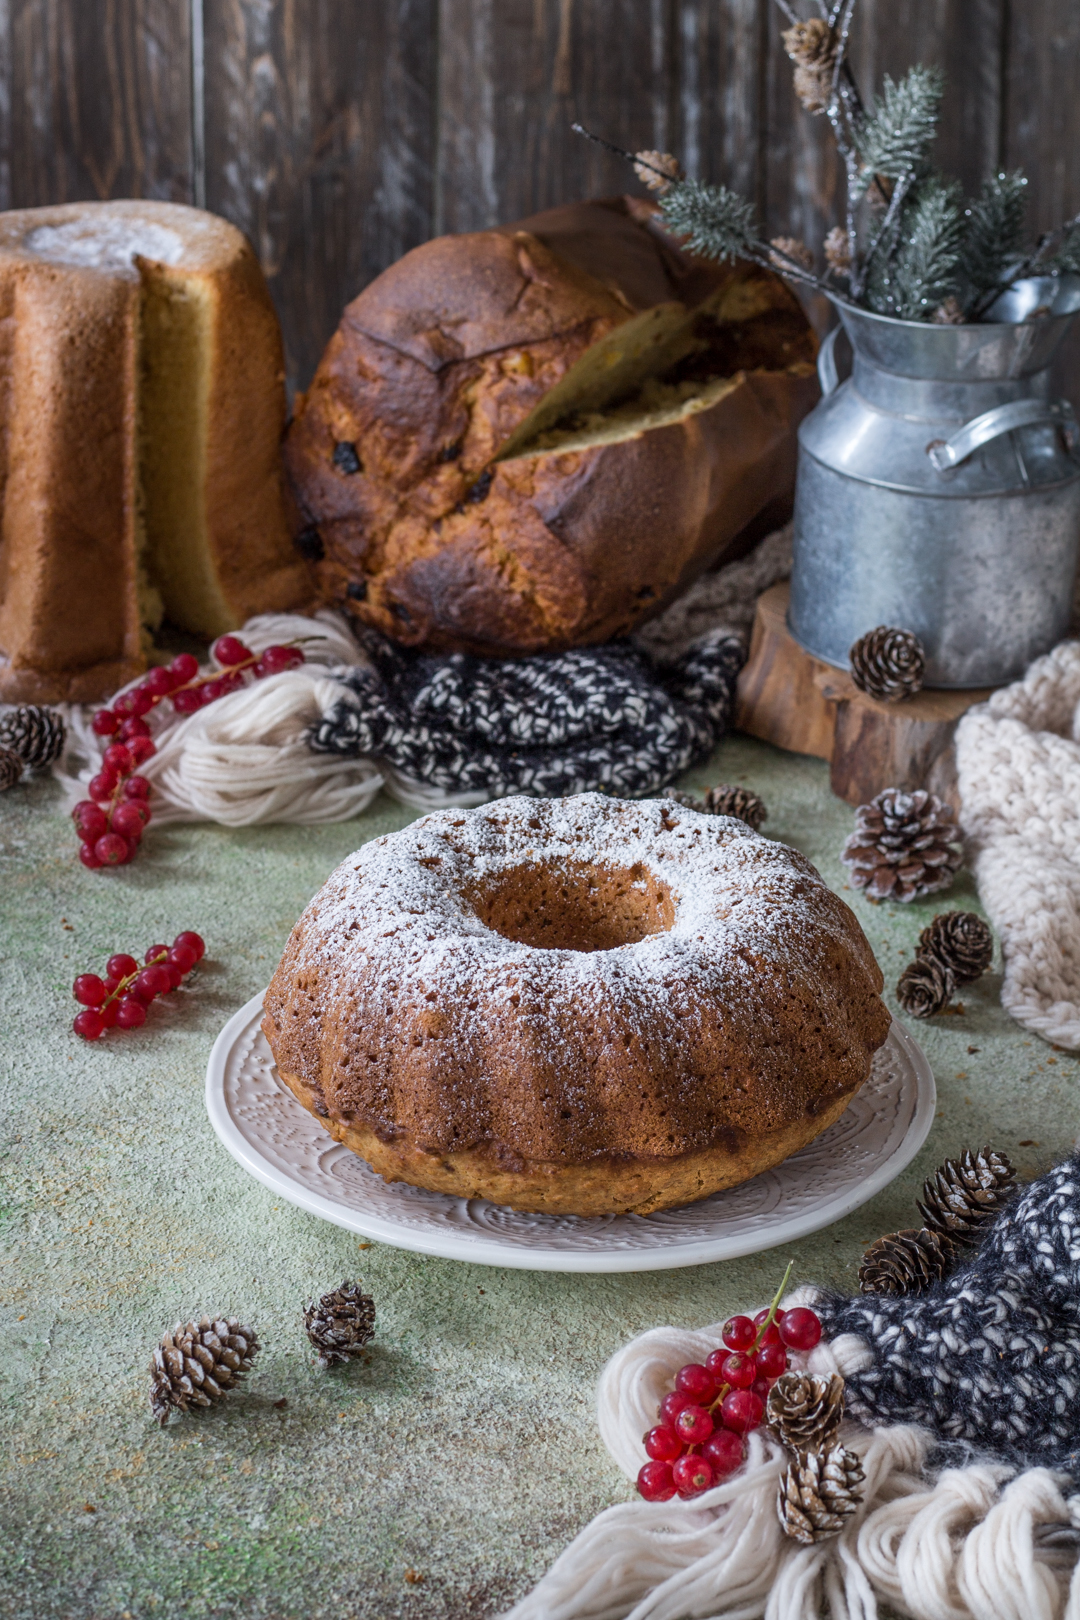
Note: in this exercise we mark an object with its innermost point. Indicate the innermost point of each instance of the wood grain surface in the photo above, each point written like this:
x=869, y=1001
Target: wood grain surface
x=340, y=133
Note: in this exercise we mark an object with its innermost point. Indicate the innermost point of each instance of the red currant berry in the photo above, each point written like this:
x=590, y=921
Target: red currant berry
x=742, y=1410
x=133, y=727
x=152, y=981
x=89, y=1024
x=105, y=723
x=739, y=1333
x=159, y=681
x=694, y=1424
x=672, y=1405
x=88, y=856
x=123, y=704
x=130, y=817
x=654, y=1482
x=691, y=1475
x=771, y=1361
x=187, y=701
x=130, y=1012
x=112, y=850
x=136, y=787
x=140, y=701
x=800, y=1329
x=760, y=1388
x=174, y=973
x=194, y=941
x=121, y=966
x=109, y=1013
x=771, y=1334
x=183, y=957
x=276, y=659
x=663, y=1444
x=185, y=667
x=102, y=785
x=211, y=692
x=118, y=759
x=154, y=952
x=230, y=650
x=723, y=1451
x=738, y=1370
x=90, y=819
x=89, y=990
x=142, y=749
x=694, y=1381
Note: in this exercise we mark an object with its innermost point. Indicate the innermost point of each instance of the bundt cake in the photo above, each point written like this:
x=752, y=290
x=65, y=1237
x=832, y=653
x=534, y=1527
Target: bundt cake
x=141, y=409
x=529, y=438
x=582, y=1005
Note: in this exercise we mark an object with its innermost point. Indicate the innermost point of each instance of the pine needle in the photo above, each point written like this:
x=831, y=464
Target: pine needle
x=993, y=236
x=916, y=276
x=895, y=137
x=715, y=221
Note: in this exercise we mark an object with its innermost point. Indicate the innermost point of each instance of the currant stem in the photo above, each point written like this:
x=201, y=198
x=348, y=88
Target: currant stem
x=121, y=988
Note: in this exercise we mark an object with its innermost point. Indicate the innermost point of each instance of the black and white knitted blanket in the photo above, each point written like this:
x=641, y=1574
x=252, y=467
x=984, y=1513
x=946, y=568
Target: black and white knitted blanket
x=595, y=719
x=991, y=1356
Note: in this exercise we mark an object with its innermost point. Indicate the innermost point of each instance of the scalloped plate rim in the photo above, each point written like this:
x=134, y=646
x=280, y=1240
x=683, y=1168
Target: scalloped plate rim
x=490, y=1251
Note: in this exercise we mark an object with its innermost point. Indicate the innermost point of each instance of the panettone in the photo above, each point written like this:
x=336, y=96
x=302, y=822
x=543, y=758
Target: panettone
x=141, y=408
x=531, y=438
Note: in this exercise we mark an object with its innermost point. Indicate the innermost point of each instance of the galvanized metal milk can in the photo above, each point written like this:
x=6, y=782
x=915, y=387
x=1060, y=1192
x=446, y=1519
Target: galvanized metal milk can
x=939, y=489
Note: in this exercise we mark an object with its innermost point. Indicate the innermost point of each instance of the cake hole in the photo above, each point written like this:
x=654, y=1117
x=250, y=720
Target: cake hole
x=576, y=907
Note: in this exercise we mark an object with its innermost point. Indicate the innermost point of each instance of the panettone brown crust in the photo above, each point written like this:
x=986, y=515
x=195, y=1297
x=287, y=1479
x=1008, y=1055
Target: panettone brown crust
x=424, y=534
x=583, y=1005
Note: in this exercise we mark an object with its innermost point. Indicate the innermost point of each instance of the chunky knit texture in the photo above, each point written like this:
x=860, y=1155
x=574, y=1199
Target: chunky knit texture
x=990, y=1356
x=1018, y=765
x=597, y=719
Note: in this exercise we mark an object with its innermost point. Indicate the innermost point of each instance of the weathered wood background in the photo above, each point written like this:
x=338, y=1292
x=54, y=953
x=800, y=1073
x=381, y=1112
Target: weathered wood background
x=339, y=133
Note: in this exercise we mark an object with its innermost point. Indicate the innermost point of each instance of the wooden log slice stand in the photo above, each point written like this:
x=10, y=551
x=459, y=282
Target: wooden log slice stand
x=791, y=699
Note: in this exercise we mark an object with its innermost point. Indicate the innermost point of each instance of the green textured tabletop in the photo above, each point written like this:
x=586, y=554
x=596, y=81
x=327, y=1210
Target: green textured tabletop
x=442, y=1477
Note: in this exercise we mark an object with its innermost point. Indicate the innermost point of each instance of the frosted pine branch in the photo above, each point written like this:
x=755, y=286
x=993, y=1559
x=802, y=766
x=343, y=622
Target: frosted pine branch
x=895, y=137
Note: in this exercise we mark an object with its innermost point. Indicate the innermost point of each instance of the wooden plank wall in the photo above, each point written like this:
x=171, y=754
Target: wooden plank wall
x=339, y=133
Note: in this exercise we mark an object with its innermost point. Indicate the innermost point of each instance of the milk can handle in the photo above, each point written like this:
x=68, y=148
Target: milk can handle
x=945, y=454
x=828, y=376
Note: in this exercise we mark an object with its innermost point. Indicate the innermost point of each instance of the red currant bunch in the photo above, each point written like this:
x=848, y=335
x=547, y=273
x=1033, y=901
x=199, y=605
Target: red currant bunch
x=126, y=991
x=187, y=690
x=111, y=822
x=698, y=1439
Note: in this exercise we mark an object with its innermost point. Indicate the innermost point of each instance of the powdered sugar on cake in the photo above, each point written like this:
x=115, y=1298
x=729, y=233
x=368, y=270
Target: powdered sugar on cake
x=394, y=914
x=105, y=242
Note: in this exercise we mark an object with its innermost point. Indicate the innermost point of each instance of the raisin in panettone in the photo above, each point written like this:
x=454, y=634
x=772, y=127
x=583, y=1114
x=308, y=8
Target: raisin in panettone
x=533, y=437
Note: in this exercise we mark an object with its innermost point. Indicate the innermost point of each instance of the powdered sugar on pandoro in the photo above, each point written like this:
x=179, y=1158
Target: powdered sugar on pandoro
x=746, y=1000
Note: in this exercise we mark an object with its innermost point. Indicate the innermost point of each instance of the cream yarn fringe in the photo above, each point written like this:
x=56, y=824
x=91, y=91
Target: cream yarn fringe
x=243, y=761
x=1018, y=766
x=974, y=1543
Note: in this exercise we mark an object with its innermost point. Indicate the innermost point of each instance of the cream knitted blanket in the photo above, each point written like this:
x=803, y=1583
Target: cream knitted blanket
x=1018, y=763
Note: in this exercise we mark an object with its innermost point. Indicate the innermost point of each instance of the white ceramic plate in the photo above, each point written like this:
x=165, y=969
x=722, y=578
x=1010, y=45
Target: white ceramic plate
x=283, y=1146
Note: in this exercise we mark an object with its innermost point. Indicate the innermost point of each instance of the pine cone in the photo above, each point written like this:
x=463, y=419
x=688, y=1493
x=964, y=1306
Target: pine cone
x=818, y=1492
x=35, y=734
x=906, y=1262
x=804, y=1412
x=812, y=47
x=888, y=664
x=903, y=846
x=196, y=1364
x=961, y=942
x=925, y=987
x=966, y=1193
x=341, y=1323
x=790, y=247
x=948, y=313
x=647, y=163
x=838, y=250
x=11, y=768
x=724, y=800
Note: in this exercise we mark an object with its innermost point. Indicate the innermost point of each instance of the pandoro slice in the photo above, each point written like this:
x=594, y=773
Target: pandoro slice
x=141, y=409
